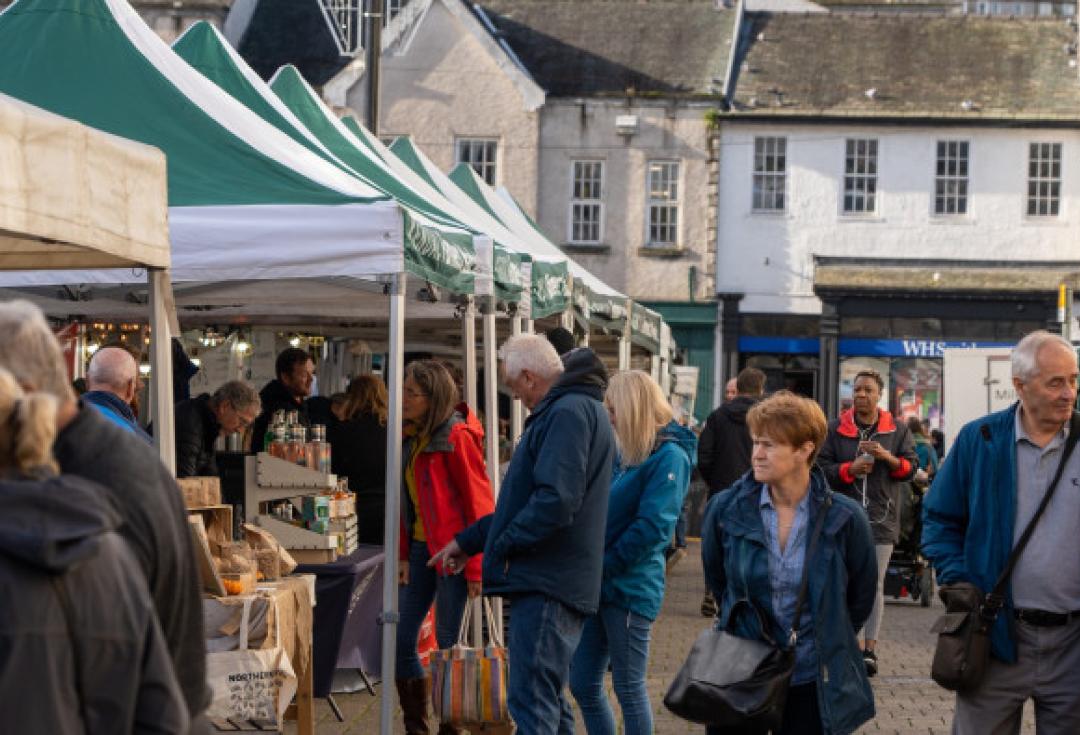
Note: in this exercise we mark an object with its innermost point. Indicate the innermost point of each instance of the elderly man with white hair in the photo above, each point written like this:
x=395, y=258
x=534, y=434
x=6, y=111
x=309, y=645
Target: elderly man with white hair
x=544, y=545
x=112, y=382
x=997, y=478
x=138, y=485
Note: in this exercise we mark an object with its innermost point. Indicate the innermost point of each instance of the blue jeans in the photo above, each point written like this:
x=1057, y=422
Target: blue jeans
x=543, y=635
x=621, y=637
x=414, y=600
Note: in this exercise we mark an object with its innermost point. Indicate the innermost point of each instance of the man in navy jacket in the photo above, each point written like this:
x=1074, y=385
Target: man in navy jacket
x=983, y=497
x=544, y=545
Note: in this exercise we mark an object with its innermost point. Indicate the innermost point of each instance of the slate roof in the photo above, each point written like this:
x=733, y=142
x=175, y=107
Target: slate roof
x=572, y=48
x=955, y=67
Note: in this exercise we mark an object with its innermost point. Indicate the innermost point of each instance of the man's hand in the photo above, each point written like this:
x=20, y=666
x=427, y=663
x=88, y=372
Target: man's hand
x=475, y=589
x=403, y=572
x=861, y=466
x=877, y=450
x=452, y=558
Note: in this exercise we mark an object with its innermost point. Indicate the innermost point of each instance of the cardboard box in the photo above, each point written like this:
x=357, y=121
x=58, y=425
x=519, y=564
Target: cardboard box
x=200, y=492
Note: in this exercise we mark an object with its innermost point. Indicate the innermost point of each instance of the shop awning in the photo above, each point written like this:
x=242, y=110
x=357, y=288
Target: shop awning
x=60, y=206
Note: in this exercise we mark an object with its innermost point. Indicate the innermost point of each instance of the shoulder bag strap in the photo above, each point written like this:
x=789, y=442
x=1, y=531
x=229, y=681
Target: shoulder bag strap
x=805, y=583
x=996, y=599
x=76, y=652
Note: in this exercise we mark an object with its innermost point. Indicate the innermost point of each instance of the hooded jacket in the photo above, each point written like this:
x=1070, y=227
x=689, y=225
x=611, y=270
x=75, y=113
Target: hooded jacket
x=725, y=445
x=155, y=525
x=879, y=492
x=842, y=581
x=452, y=486
x=547, y=533
x=80, y=647
x=197, y=429
x=645, y=503
x=275, y=397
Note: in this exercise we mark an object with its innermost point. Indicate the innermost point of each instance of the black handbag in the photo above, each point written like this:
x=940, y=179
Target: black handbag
x=728, y=681
x=962, y=654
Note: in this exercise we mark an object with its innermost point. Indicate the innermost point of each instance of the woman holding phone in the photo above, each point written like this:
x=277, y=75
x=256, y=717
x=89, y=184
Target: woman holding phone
x=869, y=457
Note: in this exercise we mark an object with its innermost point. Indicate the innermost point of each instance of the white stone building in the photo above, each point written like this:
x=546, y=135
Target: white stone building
x=890, y=186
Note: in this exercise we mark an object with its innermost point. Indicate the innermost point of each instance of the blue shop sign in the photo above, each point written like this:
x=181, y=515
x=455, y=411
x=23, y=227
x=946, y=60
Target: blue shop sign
x=857, y=347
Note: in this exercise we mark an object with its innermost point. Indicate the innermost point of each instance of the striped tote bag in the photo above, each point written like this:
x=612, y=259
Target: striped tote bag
x=468, y=683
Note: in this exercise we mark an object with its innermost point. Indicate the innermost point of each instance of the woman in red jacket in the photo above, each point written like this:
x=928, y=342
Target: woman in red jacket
x=444, y=489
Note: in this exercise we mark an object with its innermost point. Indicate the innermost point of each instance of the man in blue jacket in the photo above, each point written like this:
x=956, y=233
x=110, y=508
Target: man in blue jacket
x=983, y=497
x=544, y=545
x=112, y=381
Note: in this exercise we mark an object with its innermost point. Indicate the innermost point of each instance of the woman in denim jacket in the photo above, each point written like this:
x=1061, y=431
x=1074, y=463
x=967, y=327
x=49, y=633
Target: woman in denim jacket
x=648, y=486
x=754, y=545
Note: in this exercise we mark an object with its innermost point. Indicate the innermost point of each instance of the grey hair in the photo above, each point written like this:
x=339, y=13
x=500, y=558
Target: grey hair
x=113, y=367
x=30, y=351
x=1024, y=355
x=239, y=394
x=530, y=352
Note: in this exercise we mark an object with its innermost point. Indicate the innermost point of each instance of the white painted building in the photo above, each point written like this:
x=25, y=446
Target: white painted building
x=889, y=186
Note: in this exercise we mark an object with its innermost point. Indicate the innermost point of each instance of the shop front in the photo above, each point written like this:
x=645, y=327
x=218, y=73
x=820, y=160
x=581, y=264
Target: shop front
x=895, y=317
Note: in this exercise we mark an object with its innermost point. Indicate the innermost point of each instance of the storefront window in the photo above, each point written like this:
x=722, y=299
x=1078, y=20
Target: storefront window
x=916, y=390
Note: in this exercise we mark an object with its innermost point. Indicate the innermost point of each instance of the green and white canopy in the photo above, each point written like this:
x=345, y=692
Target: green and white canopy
x=549, y=283
x=246, y=201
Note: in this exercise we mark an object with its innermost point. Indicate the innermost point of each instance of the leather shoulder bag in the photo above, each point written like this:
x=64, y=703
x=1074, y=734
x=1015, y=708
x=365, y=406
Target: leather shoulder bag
x=963, y=646
x=728, y=681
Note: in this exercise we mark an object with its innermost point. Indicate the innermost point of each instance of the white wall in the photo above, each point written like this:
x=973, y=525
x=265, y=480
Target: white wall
x=585, y=130
x=769, y=257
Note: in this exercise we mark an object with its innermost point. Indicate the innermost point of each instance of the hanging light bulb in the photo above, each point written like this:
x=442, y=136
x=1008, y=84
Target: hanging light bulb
x=144, y=369
x=92, y=348
x=294, y=341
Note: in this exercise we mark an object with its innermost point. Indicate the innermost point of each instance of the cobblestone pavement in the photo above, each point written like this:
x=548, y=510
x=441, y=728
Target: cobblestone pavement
x=908, y=701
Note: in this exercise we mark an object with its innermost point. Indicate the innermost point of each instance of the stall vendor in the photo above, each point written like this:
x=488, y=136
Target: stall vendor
x=295, y=372
x=201, y=420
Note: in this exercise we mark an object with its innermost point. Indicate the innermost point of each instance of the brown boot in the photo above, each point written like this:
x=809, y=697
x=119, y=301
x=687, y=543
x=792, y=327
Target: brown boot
x=413, y=694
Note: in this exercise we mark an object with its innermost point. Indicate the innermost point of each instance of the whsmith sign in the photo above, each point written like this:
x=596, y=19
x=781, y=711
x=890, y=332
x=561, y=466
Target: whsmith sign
x=857, y=347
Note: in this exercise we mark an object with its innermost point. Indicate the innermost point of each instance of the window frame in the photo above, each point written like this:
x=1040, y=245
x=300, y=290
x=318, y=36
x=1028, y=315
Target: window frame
x=470, y=140
x=669, y=204
x=863, y=177
x=766, y=175
x=966, y=178
x=1054, y=199
x=575, y=201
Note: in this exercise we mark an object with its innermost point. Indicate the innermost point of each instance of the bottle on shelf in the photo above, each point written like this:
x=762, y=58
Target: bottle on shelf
x=319, y=450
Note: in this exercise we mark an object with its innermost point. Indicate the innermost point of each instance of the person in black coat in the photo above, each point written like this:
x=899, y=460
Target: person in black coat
x=724, y=447
x=201, y=420
x=134, y=482
x=81, y=650
x=289, y=391
x=358, y=452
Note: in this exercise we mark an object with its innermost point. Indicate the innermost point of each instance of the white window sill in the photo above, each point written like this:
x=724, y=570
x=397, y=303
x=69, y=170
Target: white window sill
x=1044, y=221
x=860, y=219
x=952, y=220
x=778, y=214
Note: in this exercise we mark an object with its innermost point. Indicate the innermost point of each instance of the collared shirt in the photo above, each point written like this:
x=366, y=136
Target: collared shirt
x=785, y=576
x=1047, y=574
x=112, y=407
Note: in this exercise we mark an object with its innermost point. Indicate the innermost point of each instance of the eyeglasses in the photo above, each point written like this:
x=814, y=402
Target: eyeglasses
x=241, y=419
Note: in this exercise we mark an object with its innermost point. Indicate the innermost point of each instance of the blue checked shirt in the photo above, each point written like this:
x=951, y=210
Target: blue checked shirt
x=785, y=574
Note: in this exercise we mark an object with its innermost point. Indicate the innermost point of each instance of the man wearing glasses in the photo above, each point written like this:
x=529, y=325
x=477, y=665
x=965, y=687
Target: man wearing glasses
x=200, y=420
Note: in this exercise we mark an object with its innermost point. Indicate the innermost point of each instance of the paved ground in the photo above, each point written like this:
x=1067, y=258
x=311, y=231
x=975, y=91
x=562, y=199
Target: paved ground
x=908, y=701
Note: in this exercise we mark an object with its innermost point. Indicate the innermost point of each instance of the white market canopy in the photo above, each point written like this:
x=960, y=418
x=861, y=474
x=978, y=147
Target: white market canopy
x=73, y=197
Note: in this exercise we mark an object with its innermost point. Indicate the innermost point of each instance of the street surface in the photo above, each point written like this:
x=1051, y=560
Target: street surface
x=908, y=701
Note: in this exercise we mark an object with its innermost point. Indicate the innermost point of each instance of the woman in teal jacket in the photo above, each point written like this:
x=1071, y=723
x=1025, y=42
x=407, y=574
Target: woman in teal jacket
x=648, y=487
x=755, y=544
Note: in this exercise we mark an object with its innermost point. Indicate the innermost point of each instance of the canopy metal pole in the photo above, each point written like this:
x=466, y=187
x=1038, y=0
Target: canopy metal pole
x=468, y=343
x=491, y=413
x=517, y=409
x=161, y=403
x=389, y=619
x=665, y=358
x=624, y=341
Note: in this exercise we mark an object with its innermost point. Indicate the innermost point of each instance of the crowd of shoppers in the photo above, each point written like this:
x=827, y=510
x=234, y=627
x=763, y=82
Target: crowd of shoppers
x=102, y=595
